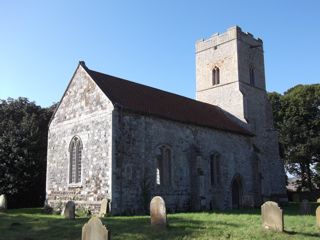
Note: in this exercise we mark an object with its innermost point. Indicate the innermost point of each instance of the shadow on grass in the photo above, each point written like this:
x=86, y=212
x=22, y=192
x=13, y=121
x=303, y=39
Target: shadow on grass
x=24, y=211
x=38, y=226
x=289, y=209
x=35, y=227
x=31, y=224
x=302, y=234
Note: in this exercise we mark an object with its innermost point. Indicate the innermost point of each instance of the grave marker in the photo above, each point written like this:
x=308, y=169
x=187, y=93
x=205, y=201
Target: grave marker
x=318, y=216
x=95, y=230
x=103, y=208
x=272, y=216
x=69, y=210
x=3, y=202
x=158, y=212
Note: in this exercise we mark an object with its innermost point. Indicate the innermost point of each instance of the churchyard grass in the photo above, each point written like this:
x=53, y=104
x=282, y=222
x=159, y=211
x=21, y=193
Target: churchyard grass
x=31, y=224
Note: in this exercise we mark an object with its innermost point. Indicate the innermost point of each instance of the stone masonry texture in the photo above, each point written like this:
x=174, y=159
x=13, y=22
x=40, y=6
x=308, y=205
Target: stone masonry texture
x=121, y=148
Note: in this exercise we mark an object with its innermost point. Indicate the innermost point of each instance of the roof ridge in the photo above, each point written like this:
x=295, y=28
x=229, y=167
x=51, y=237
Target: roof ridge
x=154, y=88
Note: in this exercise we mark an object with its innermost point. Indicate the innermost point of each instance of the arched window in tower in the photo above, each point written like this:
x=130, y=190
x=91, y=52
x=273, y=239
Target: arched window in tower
x=75, y=150
x=252, y=78
x=215, y=169
x=163, y=166
x=215, y=76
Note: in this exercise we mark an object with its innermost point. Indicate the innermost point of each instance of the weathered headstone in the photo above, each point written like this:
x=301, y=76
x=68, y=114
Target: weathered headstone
x=95, y=230
x=272, y=216
x=158, y=212
x=103, y=208
x=318, y=200
x=318, y=216
x=305, y=207
x=62, y=211
x=3, y=202
x=69, y=210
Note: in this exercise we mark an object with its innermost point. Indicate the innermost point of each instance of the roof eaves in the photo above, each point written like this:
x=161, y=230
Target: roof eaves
x=243, y=133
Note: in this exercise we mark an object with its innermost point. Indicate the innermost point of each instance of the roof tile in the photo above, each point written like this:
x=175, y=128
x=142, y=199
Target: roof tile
x=151, y=101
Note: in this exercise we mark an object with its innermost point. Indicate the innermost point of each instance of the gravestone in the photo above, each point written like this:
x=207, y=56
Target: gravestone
x=305, y=207
x=103, y=208
x=158, y=212
x=95, y=230
x=3, y=202
x=272, y=216
x=318, y=216
x=69, y=210
x=62, y=211
x=318, y=200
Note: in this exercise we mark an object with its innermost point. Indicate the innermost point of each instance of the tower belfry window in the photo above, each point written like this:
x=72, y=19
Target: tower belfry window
x=215, y=76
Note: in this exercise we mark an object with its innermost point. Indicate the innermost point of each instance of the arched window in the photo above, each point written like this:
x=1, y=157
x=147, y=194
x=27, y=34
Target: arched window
x=214, y=169
x=252, y=78
x=215, y=76
x=236, y=191
x=75, y=160
x=163, y=166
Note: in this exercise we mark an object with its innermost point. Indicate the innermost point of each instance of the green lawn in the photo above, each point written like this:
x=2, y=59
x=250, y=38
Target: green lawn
x=31, y=224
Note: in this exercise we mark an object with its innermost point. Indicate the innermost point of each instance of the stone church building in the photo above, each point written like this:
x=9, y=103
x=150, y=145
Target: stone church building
x=126, y=142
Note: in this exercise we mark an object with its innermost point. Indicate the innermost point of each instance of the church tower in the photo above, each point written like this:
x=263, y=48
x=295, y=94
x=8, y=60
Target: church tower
x=230, y=74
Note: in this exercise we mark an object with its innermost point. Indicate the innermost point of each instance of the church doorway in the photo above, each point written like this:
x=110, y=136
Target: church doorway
x=236, y=189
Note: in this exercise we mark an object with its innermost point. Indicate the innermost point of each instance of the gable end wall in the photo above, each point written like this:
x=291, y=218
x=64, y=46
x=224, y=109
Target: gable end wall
x=86, y=112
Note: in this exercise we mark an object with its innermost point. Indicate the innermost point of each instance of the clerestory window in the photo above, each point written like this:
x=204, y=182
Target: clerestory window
x=75, y=150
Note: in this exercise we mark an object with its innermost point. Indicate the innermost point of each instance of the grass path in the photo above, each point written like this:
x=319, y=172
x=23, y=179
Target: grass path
x=31, y=224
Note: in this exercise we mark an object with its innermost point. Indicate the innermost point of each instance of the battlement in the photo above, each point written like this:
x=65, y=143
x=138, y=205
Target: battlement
x=233, y=33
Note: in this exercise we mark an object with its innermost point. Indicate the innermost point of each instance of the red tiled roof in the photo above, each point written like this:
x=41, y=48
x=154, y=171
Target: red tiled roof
x=151, y=101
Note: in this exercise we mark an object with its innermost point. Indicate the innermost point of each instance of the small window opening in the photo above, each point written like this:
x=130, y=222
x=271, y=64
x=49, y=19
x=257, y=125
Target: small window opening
x=163, y=168
x=215, y=76
x=252, y=77
x=214, y=169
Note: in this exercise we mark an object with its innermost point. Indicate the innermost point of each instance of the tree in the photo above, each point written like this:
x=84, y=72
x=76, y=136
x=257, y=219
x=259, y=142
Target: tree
x=23, y=147
x=297, y=118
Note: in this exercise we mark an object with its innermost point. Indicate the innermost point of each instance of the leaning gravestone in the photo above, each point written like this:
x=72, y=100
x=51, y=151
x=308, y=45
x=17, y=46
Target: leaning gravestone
x=272, y=216
x=95, y=230
x=305, y=207
x=3, y=202
x=103, y=208
x=318, y=216
x=158, y=212
x=69, y=210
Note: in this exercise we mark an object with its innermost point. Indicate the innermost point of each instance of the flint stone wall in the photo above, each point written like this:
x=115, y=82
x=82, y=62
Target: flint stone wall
x=85, y=112
x=233, y=53
x=128, y=142
x=136, y=139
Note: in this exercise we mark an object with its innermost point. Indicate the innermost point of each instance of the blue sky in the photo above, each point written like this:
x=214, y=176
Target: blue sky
x=150, y=42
